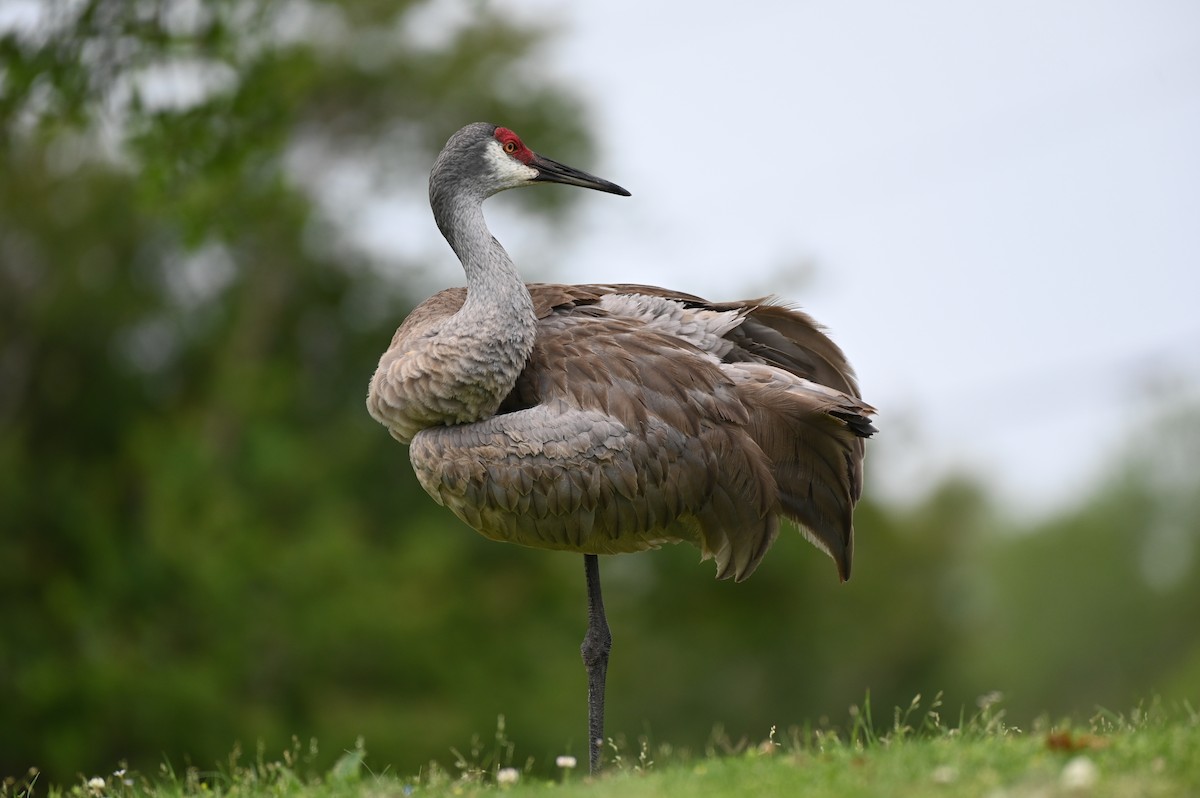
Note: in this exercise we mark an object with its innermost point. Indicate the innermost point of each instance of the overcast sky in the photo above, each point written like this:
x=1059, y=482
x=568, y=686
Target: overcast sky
x=994, y=206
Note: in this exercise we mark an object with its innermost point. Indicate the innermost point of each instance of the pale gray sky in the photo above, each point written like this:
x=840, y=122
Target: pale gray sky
x=994, y=206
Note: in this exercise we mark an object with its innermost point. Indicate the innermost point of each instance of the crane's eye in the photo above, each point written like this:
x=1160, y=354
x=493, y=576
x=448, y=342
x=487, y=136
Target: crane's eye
x=511, y=144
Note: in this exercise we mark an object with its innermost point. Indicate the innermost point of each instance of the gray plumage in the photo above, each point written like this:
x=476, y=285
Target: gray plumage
x=614, y=418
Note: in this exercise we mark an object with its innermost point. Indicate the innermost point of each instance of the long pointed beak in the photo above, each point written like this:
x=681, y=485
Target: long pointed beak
x=554, y=172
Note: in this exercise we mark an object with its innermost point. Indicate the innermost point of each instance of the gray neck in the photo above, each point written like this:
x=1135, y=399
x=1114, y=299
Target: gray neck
x=498, y=307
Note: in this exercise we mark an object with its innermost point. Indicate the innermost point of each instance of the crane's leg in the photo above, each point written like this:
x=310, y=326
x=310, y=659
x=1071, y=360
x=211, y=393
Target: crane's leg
x=596, y=645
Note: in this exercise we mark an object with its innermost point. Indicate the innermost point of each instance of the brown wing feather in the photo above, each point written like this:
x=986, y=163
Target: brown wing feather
x=627, y=440
x=617, y=437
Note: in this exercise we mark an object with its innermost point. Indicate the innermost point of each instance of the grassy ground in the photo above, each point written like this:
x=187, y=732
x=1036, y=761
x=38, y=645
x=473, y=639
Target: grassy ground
x=1153, y=752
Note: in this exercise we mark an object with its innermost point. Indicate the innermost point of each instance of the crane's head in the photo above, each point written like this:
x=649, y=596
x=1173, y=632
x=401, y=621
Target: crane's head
x=491, y=159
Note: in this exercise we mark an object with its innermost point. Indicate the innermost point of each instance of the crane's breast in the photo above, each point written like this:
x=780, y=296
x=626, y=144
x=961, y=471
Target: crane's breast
x=440, y=369
x=427, y=384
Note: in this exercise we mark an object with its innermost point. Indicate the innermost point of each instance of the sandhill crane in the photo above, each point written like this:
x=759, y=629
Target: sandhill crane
x=613, y=418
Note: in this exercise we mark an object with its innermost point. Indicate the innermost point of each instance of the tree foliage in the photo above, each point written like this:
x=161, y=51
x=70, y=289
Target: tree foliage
x=204, y=534
x=206, y=540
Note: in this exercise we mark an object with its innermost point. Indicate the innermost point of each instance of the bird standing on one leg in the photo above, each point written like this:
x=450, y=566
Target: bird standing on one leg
x=614, y=418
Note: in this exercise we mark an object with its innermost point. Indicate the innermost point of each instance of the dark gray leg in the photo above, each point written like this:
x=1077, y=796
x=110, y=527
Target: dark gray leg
x=596, y=645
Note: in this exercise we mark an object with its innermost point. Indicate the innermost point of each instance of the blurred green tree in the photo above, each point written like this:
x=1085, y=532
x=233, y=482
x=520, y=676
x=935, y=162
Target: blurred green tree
x=201, y=526
x=1096, y=607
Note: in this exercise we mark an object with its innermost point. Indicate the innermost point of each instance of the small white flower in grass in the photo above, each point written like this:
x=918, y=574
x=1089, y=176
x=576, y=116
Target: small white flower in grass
x=1080, y=773
x=945, y=774
x=95, y=784
x=507, y=776
x=566, y=762
x=989, y=700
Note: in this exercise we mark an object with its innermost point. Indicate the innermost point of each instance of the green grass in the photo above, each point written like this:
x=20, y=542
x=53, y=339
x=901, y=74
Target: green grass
x=1148, y=752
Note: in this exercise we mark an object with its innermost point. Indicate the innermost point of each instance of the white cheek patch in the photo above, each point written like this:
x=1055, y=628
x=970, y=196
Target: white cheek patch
x=507, y=168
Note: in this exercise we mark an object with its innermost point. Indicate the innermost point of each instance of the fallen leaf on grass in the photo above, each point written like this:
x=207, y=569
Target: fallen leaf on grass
x=1066, y=741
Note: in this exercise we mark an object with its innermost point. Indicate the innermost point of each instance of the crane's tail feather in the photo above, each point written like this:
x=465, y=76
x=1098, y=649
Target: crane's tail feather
x=737, y=524
x=813, y=437
x=783, y=336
